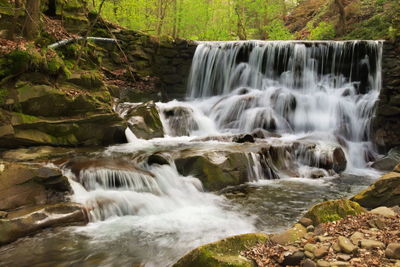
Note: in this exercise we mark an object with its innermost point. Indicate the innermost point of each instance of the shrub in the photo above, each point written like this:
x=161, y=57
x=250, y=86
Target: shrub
x=324, y=31
x=277, y=31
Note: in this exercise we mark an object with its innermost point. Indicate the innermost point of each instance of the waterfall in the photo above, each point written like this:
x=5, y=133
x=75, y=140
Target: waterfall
x=308, y=104
x=288, y=87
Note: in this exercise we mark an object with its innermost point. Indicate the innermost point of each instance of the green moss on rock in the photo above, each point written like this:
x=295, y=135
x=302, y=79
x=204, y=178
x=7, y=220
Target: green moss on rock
x=144, y=121
x=333, y=210
x=384, y=192
x=223, y=253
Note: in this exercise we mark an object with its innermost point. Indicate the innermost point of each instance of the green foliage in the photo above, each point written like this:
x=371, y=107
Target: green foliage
x=18, y=61
x=200, y=19
x=324, y=31
x=3, y=95
x=377, y=27
x=276, y=30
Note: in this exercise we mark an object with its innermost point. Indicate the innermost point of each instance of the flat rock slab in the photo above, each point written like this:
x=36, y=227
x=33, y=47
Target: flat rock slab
x=30, y=220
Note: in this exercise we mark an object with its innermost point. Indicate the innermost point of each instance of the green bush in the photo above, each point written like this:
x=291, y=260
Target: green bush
x=3, y=95
x=377, y=27
x=277, y=31
x=324, y=31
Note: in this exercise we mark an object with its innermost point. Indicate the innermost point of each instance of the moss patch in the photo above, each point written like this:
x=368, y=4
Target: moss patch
x=223, y=253
x=333, y=210
x=384, y=192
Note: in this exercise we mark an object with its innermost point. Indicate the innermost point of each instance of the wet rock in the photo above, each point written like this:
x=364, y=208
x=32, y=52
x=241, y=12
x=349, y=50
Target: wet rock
x=43, y=153
x=85, y=171
x=243, y=138
x=262, y=134
x=101, y=126
x=215, y=173
x=333, y=210
x=339, y=160
x=346, y=246
x=384, y=211
x=388, y=162
x=318, y=173
x=305, y=221
x=225, y=252
x=393, y=251
x=143, y=119
x=289, y=236
x=309, y=263
x=293, y=259
x=27, y=221
x=313, y=155
x=29, y=184
x=157, y=159
x=371, y=244
x=180, y=121
x=384, y=192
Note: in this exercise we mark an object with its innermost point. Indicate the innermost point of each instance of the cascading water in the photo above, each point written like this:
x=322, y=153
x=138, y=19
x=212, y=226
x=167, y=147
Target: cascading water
x=324, y=89
x=310, y=103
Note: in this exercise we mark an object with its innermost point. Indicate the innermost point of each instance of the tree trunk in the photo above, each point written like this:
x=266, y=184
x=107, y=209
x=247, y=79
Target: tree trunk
x=342, y=17
x=13, y=27
x=241, y=30
x=32, y=21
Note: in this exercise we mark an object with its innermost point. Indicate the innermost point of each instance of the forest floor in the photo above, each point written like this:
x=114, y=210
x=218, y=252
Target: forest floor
x=364, y=240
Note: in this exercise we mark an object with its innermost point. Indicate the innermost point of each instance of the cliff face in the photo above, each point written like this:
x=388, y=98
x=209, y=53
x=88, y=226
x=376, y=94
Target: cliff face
x=386, y=124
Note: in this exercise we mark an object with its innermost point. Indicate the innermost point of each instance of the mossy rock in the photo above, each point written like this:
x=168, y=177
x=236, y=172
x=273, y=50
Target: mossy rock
x=333, y=210
x=91, y=130
x=215, y=175
x=90, y=80
x=290, y=236
x=223, y=253
x=144, y=121
x=21, y=61
x=384, y=192
x=44, y=100
x=30, y=220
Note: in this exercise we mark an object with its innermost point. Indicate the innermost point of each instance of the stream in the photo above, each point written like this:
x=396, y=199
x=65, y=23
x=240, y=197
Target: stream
x=312, y=102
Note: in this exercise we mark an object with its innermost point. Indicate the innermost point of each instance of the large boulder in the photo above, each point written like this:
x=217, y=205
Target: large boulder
x=384, y=192
x=45, y=153
x=94, y=129
x=37, y=115
x=143, y=119
x=180, y=120
x=30, y=220
x=216, y=171
x=30, y=184
x=388, y=162
x=326, y=157
x=223, y=253
x=333, y=210
x=44, y=100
